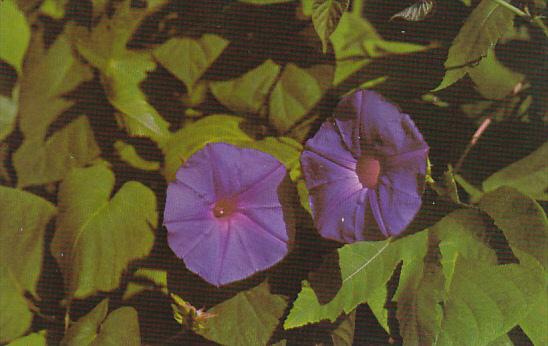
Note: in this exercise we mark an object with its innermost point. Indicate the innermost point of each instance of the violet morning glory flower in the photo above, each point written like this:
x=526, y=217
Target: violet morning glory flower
x=223, y=215
x=365, y=169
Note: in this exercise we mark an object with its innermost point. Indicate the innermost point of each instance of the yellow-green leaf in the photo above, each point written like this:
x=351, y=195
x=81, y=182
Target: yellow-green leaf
x=37, y=162
x=326, y=15
x=120, y=327
x=296, y=93
x=129, y=155
x=122, y=70
x=247, y=93
x=34, y=339
x=92, y=231
x=249, y=318
x=23, y=219
x=188, y=58
x=14, y=34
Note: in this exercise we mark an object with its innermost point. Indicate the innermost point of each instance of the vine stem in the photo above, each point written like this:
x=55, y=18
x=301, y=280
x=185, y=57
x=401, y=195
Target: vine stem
x=535, y=20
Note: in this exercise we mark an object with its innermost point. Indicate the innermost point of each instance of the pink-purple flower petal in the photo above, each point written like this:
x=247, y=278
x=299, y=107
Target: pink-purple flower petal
x=368, y=162
x=223, y=214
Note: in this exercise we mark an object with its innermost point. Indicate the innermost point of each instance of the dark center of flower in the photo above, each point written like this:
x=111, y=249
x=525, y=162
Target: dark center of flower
x=368, y=170
x=224, y=207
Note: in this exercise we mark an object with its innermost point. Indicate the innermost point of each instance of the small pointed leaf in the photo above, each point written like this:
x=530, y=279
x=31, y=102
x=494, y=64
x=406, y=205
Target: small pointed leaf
x=129, y=155
x=326, y=15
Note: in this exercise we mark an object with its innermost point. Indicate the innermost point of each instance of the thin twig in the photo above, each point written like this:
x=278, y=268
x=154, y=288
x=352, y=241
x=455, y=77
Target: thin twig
x=481, y=129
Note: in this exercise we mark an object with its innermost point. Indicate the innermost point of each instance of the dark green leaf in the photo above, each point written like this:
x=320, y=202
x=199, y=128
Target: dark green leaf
x=129, y=155
x=189, y=58
x=214, y=128
x=122, y=70
x=534, y=324
x=326, y=15
x=91, y=239
x=528, y=175
x=120, y=327
x=249, y=318
x=23, y=218
x=521, y=219
x=484, y=301
x=247, y=93
x=296, y=93
x=481, y=31
x=47, y=76
x=419, y=299
x=365, y=266
x=492, y=79
x=14, y=34
x=416, y=12
x=343, y=335
x=37, y=162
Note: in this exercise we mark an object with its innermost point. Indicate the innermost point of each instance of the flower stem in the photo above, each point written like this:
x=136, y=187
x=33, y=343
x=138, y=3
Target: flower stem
x=536, y=20
x=481, y=129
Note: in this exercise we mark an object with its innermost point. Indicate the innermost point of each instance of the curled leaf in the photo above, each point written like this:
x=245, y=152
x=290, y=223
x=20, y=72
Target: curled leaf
x=416, y=12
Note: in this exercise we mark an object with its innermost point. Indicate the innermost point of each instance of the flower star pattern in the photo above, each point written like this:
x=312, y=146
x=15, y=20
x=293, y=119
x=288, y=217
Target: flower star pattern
x=365, y=169
x=223, y=214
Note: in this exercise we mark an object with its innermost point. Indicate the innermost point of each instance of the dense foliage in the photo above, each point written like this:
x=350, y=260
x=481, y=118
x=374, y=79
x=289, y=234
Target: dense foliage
x=102, y=102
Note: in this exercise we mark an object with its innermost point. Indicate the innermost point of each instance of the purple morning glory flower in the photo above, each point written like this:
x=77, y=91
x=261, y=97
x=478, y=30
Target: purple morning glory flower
x=223, y=215
x=365, y=170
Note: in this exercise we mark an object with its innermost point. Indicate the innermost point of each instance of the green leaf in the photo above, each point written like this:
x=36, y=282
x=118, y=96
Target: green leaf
x=343, y=335
x=47, y=76
x=129, y=155
x=487, y=23
x=528, y=175
x=23, y=219
x=37, y=162
x=377, y=302
x=494, y=80
x=34, y=339
x=120, y=327
x=122, y=70
x=249, y=318
x=14, y=34
x=296, y=93
x=326, y=15
x=185, y=142
x=92, y=232
x=484, y=302
x=54, y=8
x=534, y=324
x=521, y=219
x=8, y=114
x=419, y=296
x=365, y=266
x=357, y=43
x=462, y=235
x=247, y=93
x=146, y=279
x=188, y=58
